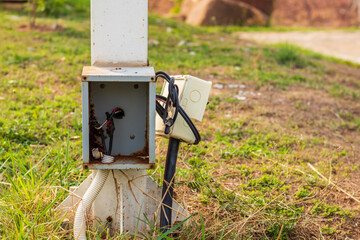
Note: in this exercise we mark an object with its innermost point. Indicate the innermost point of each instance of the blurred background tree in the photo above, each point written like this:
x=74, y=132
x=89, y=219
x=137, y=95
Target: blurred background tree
x=32, y=9
x=55, y=8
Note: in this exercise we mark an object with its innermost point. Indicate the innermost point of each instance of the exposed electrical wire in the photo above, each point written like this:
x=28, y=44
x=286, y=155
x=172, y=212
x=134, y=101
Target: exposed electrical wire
x=116, y=113
x=172, y=101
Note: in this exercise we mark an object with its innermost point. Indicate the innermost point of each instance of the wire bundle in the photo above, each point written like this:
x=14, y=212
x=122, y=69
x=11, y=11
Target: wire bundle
x=172, y=101
x=116, y=113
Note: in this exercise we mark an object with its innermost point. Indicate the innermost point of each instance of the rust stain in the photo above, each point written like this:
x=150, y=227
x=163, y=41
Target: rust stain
x=123, y=160
x=142, y=152
x=140, y=157
x=94, y=134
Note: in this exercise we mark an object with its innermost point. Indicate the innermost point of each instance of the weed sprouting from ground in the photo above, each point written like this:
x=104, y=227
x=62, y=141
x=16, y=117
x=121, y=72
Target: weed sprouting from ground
x=288, y=55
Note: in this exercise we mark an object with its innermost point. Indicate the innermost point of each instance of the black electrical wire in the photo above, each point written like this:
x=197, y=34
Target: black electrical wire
x=173, y=96
x=160, y=110
x=103, y=141
x=168, y=184
x=172, y=100
x=110, y=129
x=110, y=144
x=116, y=113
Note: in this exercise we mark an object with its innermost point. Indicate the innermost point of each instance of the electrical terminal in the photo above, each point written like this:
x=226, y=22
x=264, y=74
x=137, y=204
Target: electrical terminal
x=96, y=153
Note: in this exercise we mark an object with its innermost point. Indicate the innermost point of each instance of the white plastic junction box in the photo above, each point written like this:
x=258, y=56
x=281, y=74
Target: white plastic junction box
x=193, y=97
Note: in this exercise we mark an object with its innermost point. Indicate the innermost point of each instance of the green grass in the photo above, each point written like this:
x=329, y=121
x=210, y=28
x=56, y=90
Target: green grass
x=247, y=179
x=291, y=52
x=287, y=55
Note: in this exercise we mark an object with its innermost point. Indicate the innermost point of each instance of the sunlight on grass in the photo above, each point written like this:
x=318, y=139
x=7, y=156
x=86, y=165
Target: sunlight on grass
x=247, y=179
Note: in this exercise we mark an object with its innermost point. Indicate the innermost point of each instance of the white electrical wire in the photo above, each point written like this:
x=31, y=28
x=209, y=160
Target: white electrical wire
x=86, y=202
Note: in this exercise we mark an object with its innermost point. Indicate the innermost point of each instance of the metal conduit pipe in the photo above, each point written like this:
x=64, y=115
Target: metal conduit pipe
x=86, y=202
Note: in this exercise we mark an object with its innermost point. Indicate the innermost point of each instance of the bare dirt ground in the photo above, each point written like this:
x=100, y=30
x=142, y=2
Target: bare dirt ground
x=306, y=113
x=339, y=44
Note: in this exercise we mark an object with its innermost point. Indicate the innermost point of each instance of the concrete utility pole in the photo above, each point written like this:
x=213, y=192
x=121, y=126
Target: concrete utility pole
x=118, y=90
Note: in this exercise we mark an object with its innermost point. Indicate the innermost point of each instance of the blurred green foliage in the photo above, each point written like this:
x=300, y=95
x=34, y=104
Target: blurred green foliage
x=56, y=8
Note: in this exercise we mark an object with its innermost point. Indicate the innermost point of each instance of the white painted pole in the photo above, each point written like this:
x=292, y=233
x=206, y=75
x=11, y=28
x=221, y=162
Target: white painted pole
x=119, y=38
x=119, y=33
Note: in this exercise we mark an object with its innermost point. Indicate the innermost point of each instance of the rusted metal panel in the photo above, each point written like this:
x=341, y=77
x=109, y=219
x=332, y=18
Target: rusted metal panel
x=129, y=137
x=134, y=136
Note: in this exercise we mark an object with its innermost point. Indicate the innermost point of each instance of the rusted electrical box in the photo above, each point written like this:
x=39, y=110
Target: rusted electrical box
x=130, y=90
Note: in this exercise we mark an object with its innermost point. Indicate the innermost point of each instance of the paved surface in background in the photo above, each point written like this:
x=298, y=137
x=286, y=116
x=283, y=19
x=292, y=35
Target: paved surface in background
x=340, y=44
